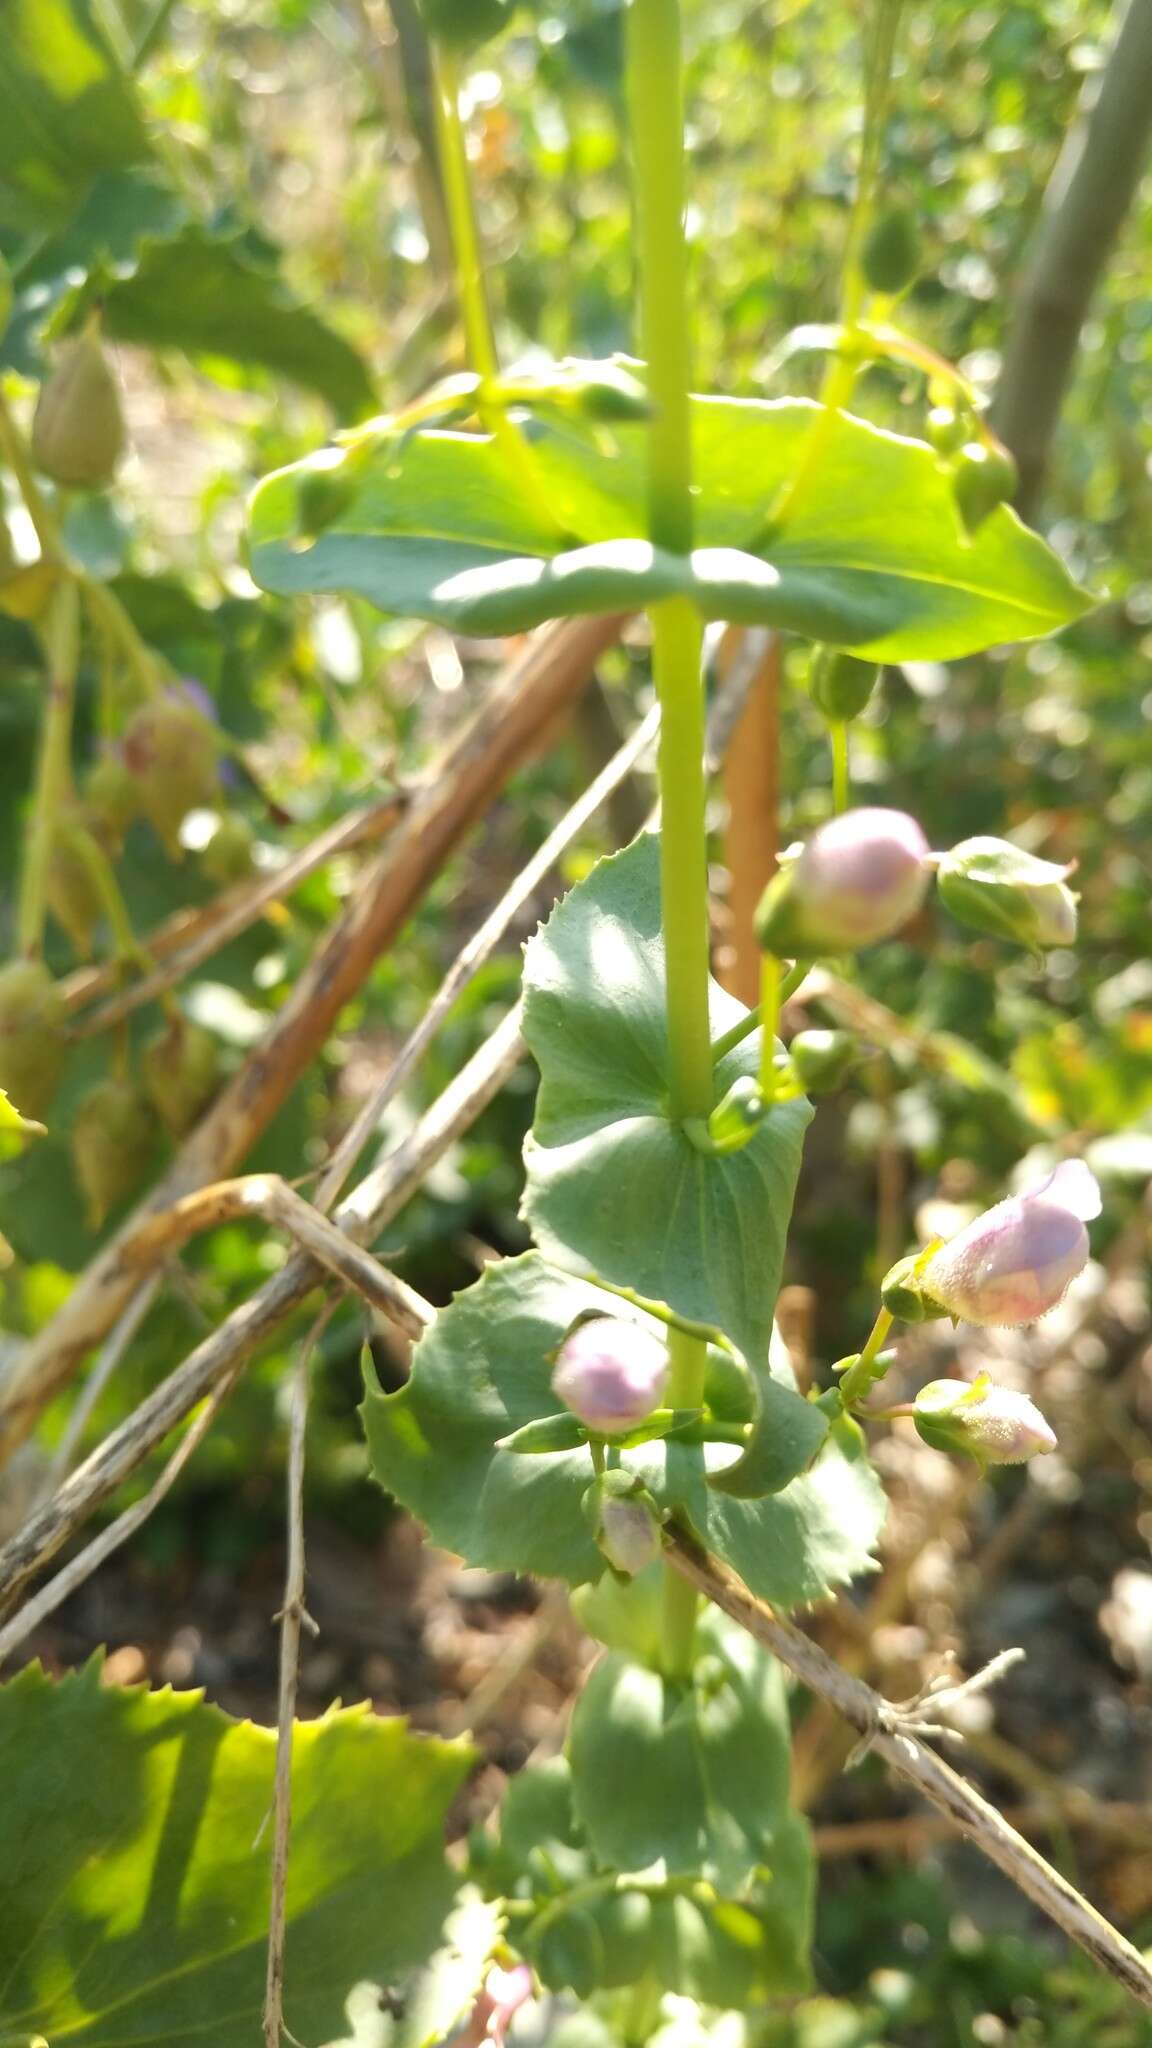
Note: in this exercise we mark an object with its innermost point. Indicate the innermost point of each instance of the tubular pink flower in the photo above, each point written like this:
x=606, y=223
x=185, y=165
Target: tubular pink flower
x=504, y=1992
x=1017, y=1261
x=610, y=1373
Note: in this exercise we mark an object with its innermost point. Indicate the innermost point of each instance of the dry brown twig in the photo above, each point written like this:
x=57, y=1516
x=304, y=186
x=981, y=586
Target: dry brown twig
x=514, y=719
x=293, y=1618
x=889, y=1736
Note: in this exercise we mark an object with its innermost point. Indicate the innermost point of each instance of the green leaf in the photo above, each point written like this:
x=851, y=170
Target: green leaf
x=134, y=1864
x=483, y=1370
x=67, y=113
x=613, y=1184
x=872, y=557
x=217, y=295
x=691, y=1775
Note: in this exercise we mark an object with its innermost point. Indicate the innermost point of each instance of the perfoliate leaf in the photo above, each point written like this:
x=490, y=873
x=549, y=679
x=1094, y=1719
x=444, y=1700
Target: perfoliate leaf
x=484, y=1369
x=614, y=1185
x=690, y=1774
x=134, y=1865
x=872, y=556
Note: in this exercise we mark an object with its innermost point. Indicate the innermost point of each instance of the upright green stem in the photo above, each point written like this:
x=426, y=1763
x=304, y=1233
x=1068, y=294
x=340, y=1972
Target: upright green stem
x=53, y=767
x=769, y=1024
x=841, y=777
x=656, y=110
x=474, y=308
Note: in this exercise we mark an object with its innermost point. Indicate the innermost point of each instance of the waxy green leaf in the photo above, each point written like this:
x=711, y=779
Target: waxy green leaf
x=872, y=557
x=689, y=1774
x=484, y=1370
x=67, y=112
x=134, y=1865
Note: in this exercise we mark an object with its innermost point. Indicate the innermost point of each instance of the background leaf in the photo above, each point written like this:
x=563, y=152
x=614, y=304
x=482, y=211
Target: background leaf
x=67, y=112
x=134, y=1891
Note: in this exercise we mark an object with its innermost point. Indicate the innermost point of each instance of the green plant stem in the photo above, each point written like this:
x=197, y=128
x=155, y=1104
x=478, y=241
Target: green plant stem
x=53, y=767
x=769, y=1024
x=843, y=368
x=841, y=773
x=858, y=1378
x=656, y=115
x=750, y=1022
x=14, y=448
x=107, y=611
x=474, y=309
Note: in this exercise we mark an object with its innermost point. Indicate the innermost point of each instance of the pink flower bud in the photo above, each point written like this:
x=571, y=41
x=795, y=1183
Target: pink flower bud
x=503, y=1993
x=610, y=1373
x=859, y=878
x=992, y=1423
x=1016, y=1261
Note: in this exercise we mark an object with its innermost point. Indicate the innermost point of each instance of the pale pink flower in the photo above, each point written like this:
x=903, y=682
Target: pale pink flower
x=1016, y=1261
x=611, y=1374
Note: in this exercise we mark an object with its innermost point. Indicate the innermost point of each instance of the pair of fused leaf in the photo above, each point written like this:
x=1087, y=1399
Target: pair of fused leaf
x=863, y=876
x=1011, y=1264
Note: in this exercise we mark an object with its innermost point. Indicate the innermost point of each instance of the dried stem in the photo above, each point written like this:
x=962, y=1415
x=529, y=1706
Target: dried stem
x=880, y=1724
x=514, y=719
x=293, y=1617
x=363, y=1216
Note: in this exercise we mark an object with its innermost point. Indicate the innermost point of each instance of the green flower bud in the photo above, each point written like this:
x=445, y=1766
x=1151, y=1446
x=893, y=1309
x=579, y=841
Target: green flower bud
x=624, y=1522
x=229, y=854
x=820, y=1059
x=113, y=1136
x=947, y=430
x=994, y=1425
x=33, y=1044
x=78, y=425
x=172, y=751
x=737, y=1117
x=840, y=685
x=180, y=1069
x=997, y=887
x=70, y=887
x=111, y=798
x=983, y=477
x=890, y=257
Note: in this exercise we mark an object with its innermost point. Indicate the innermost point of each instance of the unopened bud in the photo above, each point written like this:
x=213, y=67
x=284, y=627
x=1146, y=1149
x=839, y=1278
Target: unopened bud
x=1016, y=1261
x=993, y=1424
x=947, y=430
x=113, y=1138
x=70, y=885
x=498, y=2002
x=229, y=855
x=983, y=477
x=891, y=254
x=78, y=425
x=111, y=798
x=33, y=1044
x=624, y=1522
x=737, y=1117
x=172, y=751
x=610, y=1373
x=820, y=1059
x=840, y=685
x=997, y=887
x=180, y=1069
x=859, y=878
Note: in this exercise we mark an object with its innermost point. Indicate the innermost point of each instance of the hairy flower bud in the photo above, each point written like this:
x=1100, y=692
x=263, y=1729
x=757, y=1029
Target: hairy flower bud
x=172, y=751
x=1016, y=1261
x=78, y=425
x=859, y=878
x=624, y=1522
x=70, y=886
x=113, y=1137
x=993, y=1424
x=180, y=1068
x=997, y=887
x=610, y=1373
x=32, y=1036
x=229, y=855
x=111, y=798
